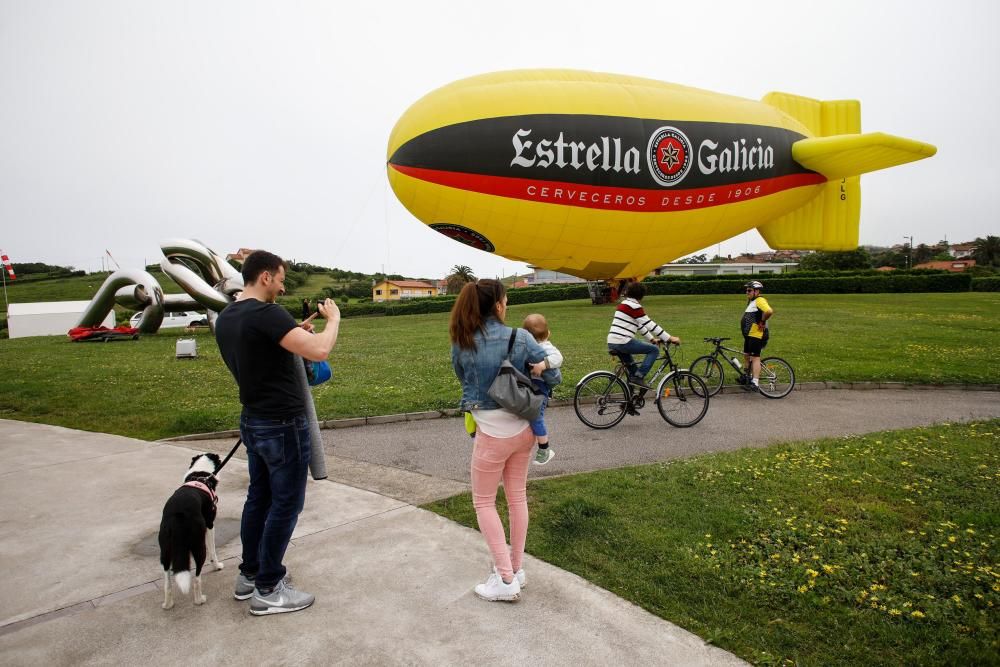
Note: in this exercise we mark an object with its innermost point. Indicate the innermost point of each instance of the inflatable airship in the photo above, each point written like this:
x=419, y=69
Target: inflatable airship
x=605, y=176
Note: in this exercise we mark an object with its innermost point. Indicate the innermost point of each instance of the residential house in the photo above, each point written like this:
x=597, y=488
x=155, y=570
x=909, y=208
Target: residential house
x=962, y=250
x=239, y=255
x=396, y=290
x=953, y=265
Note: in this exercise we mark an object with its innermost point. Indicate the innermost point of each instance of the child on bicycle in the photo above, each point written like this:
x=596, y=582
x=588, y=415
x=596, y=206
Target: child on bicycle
x=551, y=376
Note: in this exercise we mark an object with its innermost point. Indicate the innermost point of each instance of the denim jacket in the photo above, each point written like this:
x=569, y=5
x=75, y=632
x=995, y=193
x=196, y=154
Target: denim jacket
x=477, y=368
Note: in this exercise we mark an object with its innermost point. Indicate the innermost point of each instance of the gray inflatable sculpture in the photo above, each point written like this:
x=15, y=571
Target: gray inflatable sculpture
x=209, y=283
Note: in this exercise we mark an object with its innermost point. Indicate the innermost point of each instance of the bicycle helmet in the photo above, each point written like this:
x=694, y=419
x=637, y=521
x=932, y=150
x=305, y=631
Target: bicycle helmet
x=754, y=284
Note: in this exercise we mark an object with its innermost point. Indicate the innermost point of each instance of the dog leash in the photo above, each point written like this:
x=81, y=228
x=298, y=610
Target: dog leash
x=230, y=455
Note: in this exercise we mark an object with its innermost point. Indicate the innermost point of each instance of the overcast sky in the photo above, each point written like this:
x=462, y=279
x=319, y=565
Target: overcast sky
x=264, y=124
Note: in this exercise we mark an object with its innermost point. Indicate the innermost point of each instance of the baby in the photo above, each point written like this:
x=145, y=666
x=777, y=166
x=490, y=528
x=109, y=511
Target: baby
x=551, y=376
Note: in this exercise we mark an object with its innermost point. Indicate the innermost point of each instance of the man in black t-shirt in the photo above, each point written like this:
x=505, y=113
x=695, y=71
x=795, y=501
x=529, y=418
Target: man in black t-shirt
x=259, y=341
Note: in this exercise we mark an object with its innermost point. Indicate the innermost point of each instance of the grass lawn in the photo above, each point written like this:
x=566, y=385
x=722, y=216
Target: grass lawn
x=881, y=549
x=385, y=365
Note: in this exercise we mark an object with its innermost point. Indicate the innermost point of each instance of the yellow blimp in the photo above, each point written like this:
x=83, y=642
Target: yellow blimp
x=605, y=176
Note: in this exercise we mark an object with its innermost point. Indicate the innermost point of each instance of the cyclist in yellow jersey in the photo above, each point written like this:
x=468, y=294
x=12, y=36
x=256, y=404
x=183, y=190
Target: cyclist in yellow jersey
x=755, y=331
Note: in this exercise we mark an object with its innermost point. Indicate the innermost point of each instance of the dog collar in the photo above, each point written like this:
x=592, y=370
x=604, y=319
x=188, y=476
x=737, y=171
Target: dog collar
x=204, y=487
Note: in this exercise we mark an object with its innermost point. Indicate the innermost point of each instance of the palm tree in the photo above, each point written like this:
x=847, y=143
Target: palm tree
x=464, y=272
x=987, y=252
x=459, y=276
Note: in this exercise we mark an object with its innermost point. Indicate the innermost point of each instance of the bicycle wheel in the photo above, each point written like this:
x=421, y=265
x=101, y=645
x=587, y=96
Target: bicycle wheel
x=682, y=399
x=776, y=377
x=710, y=370
x=601, y=400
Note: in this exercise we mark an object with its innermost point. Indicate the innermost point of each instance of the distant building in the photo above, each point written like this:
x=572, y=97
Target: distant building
x=52, y=318
x=240, y=255
x=962, y=250
x=548, y=277
x=953, y=265
x=442, y=287
x=724, y=269
x=396, y=290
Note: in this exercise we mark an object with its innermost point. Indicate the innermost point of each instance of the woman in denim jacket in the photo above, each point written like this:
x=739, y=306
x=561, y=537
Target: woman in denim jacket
x=503, y=444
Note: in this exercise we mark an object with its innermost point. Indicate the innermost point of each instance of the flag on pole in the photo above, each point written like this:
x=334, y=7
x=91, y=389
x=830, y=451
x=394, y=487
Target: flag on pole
x=8, y=266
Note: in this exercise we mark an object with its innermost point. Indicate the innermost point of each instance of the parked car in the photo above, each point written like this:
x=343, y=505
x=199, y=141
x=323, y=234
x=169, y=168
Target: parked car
x=176, y=319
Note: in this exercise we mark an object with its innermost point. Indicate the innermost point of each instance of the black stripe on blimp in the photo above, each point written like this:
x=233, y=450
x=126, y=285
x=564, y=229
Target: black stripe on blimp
x=509, y=147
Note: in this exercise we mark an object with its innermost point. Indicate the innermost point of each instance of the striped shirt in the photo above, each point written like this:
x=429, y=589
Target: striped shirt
x=631, y=318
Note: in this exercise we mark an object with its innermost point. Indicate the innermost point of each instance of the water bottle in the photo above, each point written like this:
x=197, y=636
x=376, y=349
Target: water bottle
x=736, y=360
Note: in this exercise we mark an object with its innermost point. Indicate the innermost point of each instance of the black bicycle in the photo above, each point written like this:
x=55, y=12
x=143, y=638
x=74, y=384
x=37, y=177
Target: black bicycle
x=777, y=379
x=603, y=398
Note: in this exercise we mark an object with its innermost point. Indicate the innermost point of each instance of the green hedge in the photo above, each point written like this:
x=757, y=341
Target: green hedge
x=764, y=277
x=864, y=282
x=867, y=284
x=539, y=294
x=986, y=284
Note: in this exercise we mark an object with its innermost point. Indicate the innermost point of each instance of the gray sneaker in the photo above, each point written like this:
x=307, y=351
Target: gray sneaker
x=543, y=456
x=245, y=586
x=281, y=600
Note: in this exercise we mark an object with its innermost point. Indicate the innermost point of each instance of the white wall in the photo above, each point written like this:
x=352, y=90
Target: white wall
x=22, y=324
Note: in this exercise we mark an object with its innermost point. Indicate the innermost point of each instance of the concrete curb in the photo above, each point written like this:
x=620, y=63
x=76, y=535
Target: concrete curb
x=352, y=422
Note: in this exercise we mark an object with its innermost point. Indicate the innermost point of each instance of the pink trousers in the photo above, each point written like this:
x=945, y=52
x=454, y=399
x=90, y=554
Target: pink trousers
x=494, y=459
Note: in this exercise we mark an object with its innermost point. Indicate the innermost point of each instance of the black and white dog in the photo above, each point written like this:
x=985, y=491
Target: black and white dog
x=187, y=529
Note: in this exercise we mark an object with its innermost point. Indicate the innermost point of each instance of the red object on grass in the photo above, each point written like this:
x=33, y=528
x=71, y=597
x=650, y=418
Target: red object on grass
x=104, y=334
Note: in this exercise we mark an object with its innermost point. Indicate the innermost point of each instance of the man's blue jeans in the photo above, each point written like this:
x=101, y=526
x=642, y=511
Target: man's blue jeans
x=278, y=453
x=636, y=346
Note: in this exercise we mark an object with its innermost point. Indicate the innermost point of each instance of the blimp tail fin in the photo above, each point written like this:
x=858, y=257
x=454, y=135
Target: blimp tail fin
x=840, y=152
x=853, y=154
x=828, y=221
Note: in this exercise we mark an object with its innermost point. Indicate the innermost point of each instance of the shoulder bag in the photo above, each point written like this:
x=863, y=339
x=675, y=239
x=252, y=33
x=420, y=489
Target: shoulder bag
x=513, y=390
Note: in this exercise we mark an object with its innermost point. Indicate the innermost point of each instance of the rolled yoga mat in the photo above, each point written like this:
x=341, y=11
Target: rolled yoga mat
x=317, y=458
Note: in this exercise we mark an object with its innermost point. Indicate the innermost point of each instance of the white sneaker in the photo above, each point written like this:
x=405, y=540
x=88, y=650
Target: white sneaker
x=495, y=590
x=522, y=580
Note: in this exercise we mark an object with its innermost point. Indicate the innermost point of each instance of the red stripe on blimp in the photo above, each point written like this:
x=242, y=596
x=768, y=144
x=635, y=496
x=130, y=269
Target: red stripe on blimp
x=637, y=200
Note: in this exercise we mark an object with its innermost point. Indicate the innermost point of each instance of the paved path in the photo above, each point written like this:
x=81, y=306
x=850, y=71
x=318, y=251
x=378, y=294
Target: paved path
x=420, y=461
x=392, y=582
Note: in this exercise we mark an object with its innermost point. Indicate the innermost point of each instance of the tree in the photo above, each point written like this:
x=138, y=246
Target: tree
x=836, y=261
x=463, y=272
x=942, y=247
x=454, y=284
x=694, y=259
x=358, y=289
x=459, y=276
x=987, y=252
x=890, y=257
x=922, y=253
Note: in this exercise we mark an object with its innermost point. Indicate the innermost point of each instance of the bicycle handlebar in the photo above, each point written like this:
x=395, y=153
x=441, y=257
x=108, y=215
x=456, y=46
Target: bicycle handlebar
x=716, y=341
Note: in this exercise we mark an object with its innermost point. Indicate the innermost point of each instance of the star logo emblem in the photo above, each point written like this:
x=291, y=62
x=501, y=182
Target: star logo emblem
x=670, y=156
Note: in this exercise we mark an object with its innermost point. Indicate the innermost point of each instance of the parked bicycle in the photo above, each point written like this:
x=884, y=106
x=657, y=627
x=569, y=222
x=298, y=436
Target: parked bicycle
x=603, y=398
x=777, y=379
